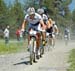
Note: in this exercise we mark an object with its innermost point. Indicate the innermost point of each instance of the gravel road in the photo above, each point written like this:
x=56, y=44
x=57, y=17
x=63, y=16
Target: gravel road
x=53, y=60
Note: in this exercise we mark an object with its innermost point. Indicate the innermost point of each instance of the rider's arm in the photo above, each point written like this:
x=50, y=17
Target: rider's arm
x=56, y=29
x=23, y=24
x=42, y=23
x=50, y=20
x=49, y=24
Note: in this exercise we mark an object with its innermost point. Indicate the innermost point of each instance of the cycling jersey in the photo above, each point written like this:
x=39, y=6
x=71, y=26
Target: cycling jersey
x=45, y=18
x=36, y=19
x=66, y=31
x=52, y=30
x=55, y=29
x=34, y=23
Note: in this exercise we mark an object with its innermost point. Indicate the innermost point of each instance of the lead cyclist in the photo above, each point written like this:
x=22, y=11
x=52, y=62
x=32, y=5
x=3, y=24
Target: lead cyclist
x=34, y=21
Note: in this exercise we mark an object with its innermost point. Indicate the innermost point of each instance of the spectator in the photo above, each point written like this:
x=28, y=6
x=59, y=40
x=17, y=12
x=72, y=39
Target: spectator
x=6, y=35
x=21, y=34
x=18, y=34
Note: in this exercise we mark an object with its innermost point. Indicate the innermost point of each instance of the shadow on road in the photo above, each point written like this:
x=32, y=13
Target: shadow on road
x=24, y=62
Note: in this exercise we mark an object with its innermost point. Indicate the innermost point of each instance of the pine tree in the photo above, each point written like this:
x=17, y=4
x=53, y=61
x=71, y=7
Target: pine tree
x=16, y=13
x=3, y=14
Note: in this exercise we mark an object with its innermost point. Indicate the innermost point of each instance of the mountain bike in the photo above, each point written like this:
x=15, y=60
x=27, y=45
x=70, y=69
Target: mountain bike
x=34, y=51
x=32, y=46
x=66, y=39
x=50, y=42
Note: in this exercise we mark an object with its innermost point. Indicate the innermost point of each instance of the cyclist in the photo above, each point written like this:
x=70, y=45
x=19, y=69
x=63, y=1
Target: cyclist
x=45, y=20
x=67, y=34
x=49, y=32
x=34, y=21
x=52, y=31
x=55, y=32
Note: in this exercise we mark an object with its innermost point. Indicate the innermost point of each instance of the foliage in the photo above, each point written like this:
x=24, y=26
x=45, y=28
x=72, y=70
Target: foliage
x=14, y=14
x=3, y=13
x=59, y=11
x=11, y=15
x=72, y=60
x=73, y=16
x=12, y=47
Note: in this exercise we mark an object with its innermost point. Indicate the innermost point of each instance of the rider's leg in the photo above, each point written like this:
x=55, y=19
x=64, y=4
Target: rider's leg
x=43, y=34
x=44, y=38
x=50, y=40
x=38, y=38
x=28, y=39
x=53, y=42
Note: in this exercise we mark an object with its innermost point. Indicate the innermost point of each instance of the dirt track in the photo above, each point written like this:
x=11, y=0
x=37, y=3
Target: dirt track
x=54, y=60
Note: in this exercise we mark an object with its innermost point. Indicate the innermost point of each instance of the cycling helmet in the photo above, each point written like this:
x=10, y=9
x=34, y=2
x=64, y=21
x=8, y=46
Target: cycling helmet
x=40, y=11
x=31, y=11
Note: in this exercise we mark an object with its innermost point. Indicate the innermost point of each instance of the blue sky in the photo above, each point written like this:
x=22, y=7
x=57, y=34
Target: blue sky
x=71, y=6
x=11, y=1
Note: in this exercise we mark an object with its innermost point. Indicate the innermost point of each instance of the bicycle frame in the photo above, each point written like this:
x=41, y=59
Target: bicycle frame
x=32, y=47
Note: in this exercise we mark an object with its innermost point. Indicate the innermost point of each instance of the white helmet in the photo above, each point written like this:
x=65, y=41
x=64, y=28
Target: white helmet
x=40, y=11
x=31, y=11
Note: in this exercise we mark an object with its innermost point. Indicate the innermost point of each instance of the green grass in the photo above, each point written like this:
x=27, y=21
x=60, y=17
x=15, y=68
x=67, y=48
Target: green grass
x=72, y=60
x=12, y=47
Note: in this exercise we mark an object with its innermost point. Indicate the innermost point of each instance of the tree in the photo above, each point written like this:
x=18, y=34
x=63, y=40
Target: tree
x=30, y=3
x=3, y=14
x=59, y=11
x=73, y=15
x=16, y=13
x=3, y=8
x=73, y=21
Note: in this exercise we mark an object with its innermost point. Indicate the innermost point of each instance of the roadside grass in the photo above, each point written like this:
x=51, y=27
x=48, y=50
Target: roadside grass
x=72, y=60
x=12, y=47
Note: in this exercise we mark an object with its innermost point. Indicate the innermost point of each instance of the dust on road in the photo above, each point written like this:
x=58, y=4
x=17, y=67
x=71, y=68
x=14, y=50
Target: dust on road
x=54, y=60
